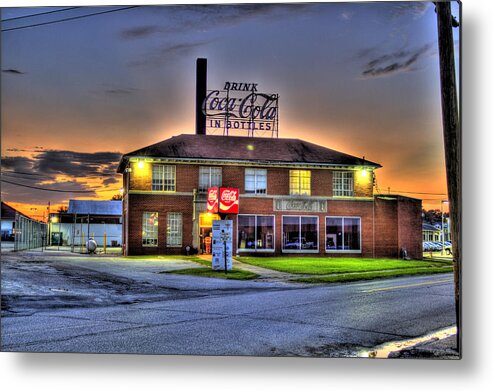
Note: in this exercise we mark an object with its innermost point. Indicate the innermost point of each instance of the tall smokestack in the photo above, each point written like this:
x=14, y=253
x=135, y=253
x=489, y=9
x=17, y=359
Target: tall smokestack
x=200, y=94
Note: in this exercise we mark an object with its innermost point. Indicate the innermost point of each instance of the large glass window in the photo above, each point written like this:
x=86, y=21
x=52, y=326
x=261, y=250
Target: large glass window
x=343, y=184
x=209, y=177
x=255, y=181
x=299, y=182
x=255, y=233
x=149, y=229
x=300, y=233
x=174, y=230
x=343, y=234
x=163, y=178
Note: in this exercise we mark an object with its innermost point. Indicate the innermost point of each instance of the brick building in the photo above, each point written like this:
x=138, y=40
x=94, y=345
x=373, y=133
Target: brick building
x=295, y=198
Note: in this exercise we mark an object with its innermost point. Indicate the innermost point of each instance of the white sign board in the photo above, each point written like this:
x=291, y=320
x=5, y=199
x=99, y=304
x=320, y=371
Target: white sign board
x=222, y=239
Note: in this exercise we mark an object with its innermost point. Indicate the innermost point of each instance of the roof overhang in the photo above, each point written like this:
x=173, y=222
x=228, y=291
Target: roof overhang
x=263, y=163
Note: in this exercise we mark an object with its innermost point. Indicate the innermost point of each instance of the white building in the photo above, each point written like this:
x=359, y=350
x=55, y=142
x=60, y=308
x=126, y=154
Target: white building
x=100, y=220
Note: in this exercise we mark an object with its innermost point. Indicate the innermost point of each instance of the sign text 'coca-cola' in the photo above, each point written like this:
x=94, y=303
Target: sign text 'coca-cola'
x=240, y=107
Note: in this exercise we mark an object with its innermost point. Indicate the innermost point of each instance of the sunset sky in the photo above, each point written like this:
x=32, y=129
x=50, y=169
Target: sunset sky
x=362, y=78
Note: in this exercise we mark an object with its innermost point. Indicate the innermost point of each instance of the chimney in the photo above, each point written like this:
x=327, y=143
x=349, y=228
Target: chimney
x=200, y=94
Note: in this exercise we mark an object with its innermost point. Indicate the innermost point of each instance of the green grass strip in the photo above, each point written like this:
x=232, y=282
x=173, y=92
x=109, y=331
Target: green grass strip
x=328, y=265
x=235, y=274
x=371, y=275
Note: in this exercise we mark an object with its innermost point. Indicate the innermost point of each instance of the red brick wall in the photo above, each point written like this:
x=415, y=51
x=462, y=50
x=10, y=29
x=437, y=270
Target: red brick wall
x=140, y=203
x=386, y=233
x=398, y=224
x=410, y=226
x=397, y=221
x=277, y=180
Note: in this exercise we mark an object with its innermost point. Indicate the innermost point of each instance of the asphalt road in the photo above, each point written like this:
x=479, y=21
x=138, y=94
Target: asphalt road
x=112, y=305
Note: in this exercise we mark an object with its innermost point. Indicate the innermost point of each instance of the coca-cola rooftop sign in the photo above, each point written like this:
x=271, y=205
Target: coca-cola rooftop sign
x=240, y=108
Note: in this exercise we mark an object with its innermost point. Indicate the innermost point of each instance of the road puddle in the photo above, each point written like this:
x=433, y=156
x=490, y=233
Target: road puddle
x=383, y=351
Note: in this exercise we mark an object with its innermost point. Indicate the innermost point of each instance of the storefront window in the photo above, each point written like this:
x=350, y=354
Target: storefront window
x=343, y=234
x=255, y=232
x=149, y=229
x=300, y=233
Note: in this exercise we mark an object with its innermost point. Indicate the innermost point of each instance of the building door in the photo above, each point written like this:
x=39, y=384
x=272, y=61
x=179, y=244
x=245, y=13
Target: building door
x=205, y=231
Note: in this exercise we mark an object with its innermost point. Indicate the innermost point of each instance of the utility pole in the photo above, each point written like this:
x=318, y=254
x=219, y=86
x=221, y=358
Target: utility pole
x=452, y=142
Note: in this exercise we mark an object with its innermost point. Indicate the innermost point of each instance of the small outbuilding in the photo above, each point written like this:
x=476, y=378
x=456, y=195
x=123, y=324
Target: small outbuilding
x=100, y=220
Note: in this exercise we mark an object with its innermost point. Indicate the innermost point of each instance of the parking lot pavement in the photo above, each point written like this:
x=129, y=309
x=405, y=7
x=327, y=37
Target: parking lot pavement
x=84, y=304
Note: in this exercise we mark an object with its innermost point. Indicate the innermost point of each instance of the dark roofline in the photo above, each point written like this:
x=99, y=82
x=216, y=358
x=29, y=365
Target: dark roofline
x=12, y=209
x=143, y=153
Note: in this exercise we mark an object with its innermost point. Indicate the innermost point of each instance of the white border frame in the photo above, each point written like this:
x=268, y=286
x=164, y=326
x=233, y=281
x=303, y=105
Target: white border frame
x=301, y=251
x=360, y=251
x=244, y=250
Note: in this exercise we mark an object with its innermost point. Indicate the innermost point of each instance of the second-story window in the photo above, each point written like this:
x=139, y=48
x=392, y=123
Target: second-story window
x=163, y=178
x=209, y=177
x=343, y=184
x=255, y=181
x=299, y=182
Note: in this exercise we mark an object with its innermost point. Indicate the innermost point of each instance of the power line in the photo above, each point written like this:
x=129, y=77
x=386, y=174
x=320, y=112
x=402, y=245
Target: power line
x=35, y=177
x=417, y=192
x=39, y=14
x=21, y=172
x=56, y=190
x=69, y=19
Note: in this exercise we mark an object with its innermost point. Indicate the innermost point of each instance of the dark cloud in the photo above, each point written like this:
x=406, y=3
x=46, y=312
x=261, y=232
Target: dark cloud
x=17, y=163
x=413, y=8
x=34, y=149
x=140, y=32
x=399, y=61
x=44, y=166
x=121, y=91
x=207, y=16
x=51, y=163
x=77, y=164
x=13, y=71
x=169, y=52
x=109, y=181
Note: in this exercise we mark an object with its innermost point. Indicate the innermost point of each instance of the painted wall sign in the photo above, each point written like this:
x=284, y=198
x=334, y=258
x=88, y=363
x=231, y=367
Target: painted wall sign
x=240, y=107
x=229, y=200
x=300, y=205
x=212, y=200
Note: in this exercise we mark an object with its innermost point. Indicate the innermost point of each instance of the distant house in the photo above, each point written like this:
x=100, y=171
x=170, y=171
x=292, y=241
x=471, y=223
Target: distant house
x=8, y=222
x=431, y=233
x=101, y=220
x=24, y=231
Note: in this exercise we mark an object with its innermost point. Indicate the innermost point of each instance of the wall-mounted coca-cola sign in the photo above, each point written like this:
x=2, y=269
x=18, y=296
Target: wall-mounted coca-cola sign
x=240, y=108
x=223, y=200
x=229, y=200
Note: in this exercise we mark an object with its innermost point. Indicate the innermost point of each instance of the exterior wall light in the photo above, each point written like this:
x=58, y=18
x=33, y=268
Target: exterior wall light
x=54, y=219
x=140, y=164
x=364, y=173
